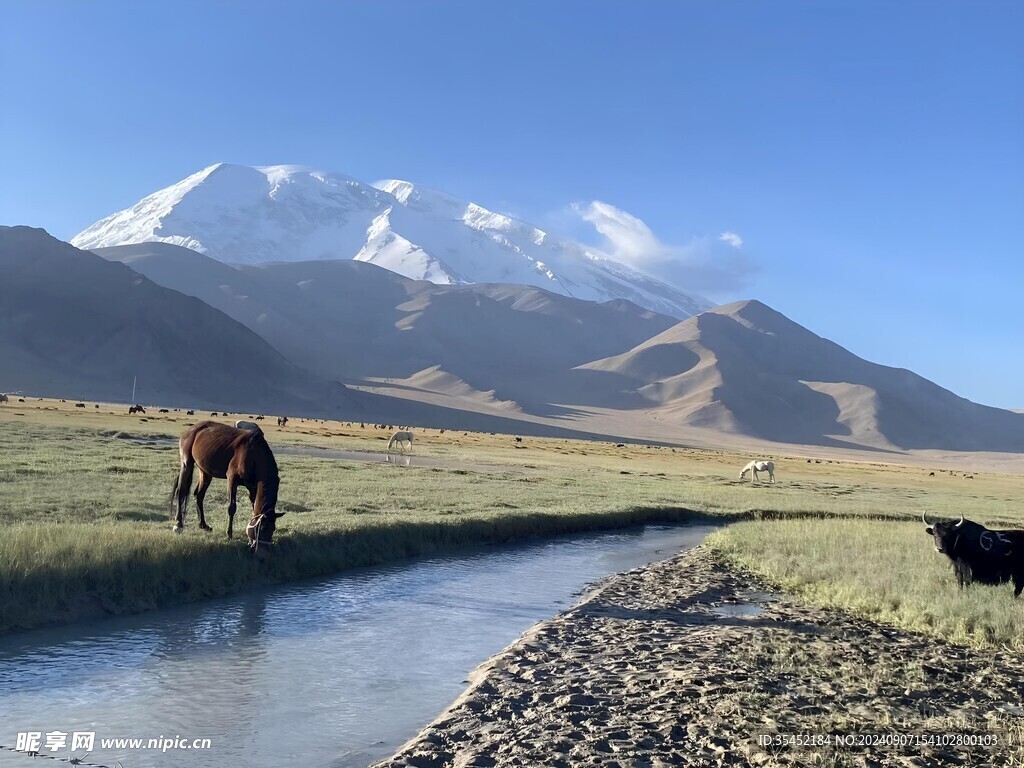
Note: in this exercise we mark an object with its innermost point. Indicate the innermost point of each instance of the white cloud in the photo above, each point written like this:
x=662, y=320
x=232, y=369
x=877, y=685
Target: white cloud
x=702, y=264
x=732, y=239
x=628, y=239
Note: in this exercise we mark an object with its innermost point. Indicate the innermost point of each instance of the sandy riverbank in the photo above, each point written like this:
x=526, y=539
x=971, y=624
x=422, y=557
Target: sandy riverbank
x=687, y=663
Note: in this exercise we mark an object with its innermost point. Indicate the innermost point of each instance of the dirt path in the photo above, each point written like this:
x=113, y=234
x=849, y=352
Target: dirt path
x=685, y=663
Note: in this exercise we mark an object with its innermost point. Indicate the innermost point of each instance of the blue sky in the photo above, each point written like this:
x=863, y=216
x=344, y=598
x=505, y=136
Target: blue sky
x=869, y=155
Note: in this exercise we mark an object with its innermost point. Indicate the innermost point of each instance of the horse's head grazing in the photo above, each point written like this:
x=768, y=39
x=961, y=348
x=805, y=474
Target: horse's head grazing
x=260, y=531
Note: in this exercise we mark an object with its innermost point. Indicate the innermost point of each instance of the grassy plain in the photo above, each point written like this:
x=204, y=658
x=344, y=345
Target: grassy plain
x=882, y=570
x=86, y=517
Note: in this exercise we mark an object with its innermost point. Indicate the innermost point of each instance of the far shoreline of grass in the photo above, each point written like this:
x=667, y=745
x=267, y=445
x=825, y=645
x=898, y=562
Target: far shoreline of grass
x=156, y=569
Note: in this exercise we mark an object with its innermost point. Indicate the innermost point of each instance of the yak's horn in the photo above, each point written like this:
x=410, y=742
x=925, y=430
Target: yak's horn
x=961, y=521
x=924, y=518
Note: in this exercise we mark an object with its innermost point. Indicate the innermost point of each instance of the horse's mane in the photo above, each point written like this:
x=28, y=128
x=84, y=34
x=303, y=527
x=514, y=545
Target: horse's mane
x=257, y=441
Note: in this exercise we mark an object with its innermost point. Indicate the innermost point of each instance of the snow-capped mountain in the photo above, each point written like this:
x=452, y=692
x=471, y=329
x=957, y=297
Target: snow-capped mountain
x=242, y=214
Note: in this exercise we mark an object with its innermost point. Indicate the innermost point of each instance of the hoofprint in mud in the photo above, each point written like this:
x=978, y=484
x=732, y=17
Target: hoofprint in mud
x=684, y=663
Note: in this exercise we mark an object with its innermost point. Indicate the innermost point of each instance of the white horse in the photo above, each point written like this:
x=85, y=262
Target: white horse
x=249, y=425
x=759, y=466
x=401, y=438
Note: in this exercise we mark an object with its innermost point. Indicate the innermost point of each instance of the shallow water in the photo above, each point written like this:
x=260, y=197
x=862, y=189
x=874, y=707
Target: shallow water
x=755, y=604
x=334, y=672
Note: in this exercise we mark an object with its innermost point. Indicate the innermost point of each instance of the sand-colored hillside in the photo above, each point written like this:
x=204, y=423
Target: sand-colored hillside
x=746, y=369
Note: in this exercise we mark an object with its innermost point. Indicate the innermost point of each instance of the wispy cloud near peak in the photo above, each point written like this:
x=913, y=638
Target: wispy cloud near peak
x=706, y=264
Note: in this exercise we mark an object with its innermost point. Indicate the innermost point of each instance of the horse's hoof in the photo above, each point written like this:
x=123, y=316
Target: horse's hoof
x=178, y=528
x=205, y=527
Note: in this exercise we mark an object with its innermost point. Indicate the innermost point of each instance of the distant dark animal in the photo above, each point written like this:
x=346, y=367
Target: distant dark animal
x=21, y=399
x=402, y=439
x=931, y=474
x=136, y=409
x=979, y=554
x=259, y=418
x=96, y=406
x=242, y=457
x=519, y=439
x=164, y=410
x=759, y=466
x=79, y=405
x=282, y=421
x=190, y=413
x=3, y=398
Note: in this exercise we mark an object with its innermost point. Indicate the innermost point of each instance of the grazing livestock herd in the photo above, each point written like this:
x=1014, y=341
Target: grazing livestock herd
x=241, y=455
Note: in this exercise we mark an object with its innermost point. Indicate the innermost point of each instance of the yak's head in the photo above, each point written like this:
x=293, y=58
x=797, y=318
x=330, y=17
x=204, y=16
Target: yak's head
x=947, y=533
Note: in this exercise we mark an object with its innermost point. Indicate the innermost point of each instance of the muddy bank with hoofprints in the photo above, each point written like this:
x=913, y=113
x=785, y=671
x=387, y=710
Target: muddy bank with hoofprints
x=686, y=662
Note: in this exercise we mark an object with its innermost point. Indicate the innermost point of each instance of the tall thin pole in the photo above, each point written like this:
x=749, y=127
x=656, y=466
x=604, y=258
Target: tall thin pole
x=134, y=379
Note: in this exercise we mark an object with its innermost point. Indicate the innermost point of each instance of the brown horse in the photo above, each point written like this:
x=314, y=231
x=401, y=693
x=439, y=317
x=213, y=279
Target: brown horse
x=241, y=456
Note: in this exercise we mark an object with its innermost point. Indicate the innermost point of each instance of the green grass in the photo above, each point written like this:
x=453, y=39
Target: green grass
x=882, y=570
x=86, y=524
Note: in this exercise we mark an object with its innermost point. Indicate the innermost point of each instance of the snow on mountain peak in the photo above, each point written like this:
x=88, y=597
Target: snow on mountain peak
x=244, y=214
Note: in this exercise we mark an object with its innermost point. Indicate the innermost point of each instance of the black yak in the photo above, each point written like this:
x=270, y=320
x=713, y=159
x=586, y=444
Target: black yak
x=979, y=554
